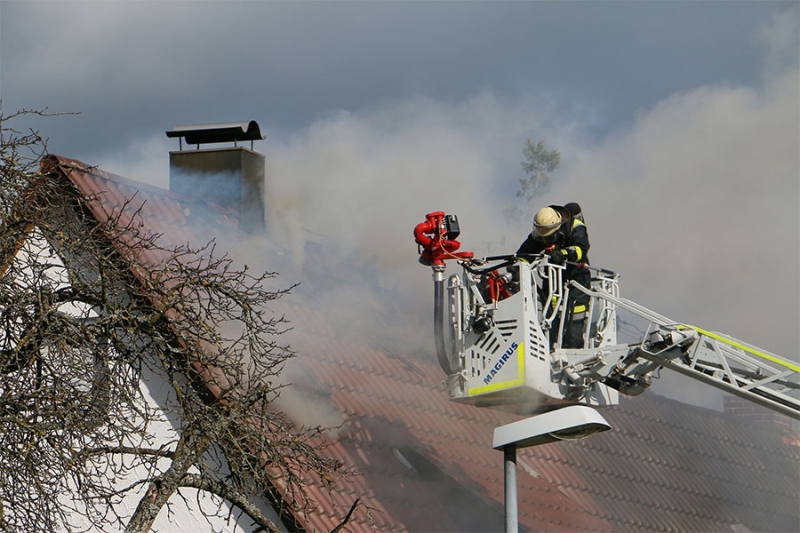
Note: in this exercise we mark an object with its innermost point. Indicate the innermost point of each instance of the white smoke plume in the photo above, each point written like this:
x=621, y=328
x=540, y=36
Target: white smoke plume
x=696, y=204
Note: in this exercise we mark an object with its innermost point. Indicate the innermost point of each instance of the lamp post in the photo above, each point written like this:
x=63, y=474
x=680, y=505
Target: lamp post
x=568, y=423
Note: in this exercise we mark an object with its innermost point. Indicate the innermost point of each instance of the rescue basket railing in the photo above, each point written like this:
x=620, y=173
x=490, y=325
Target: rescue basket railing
x=551, y=292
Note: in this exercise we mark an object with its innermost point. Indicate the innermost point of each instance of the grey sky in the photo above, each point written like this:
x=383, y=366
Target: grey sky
x=678, y=123
x=134, y=68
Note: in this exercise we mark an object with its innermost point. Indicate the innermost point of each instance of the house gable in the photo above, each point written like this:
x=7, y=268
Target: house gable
x=47, y=261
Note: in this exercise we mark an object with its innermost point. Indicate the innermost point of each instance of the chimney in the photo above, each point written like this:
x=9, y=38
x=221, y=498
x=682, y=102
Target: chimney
x=230, y=176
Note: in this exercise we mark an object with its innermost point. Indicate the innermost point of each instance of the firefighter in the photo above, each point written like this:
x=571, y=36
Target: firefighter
x=561, y=233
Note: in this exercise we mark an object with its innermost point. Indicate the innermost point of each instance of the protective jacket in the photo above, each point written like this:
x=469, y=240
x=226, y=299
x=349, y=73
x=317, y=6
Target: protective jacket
x=572, y=238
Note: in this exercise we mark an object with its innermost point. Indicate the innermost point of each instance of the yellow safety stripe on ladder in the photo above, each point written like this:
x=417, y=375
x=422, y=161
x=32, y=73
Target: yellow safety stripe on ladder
x=747, y=349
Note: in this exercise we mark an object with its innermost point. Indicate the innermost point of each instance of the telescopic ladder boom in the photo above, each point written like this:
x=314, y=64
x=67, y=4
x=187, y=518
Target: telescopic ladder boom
x=716, y=359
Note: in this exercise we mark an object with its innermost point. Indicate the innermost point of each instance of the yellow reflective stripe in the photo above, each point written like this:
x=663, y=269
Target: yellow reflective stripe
x=747, y=349
x=576, y=309
x=578, y=251
x=519, y=380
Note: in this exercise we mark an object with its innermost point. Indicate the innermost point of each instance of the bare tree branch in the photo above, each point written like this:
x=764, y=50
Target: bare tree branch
x=92, y=304
x=347, y=517
x=226, y=492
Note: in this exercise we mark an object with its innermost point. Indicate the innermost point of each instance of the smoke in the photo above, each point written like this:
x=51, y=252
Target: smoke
x=696, y=203
x=143, y=160
x=362, y=181
x=344, y=196
x=697, y=206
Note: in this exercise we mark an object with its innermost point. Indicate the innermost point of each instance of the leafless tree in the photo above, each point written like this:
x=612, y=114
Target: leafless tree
x=90, y=306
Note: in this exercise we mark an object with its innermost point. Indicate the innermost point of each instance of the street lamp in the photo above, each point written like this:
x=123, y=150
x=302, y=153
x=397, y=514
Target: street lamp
x=568, y=423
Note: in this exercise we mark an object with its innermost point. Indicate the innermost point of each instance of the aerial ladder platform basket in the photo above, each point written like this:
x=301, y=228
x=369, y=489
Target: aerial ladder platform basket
x=499, y=330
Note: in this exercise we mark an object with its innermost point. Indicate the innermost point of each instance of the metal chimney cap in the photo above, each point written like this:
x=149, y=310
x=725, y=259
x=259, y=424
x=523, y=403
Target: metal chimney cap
x=218, y=133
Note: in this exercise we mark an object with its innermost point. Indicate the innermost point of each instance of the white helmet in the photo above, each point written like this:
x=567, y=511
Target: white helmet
x=546, y=221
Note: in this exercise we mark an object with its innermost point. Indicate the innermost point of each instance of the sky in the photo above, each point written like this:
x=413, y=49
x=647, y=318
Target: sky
x=678, y=124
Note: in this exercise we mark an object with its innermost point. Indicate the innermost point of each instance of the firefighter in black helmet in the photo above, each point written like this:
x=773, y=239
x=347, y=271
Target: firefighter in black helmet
x=561, y=233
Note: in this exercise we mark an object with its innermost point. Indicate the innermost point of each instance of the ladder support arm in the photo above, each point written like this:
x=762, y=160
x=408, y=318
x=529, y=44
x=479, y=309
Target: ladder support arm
x=712, y=358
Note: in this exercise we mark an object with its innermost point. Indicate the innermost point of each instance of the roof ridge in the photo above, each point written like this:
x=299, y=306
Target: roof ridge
x=140, y=186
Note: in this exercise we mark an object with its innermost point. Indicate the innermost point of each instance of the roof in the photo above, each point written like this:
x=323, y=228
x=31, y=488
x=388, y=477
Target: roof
x=664, y=466
x=397, y=412
x=428, y=465
x=670, y=466
x=176, y=218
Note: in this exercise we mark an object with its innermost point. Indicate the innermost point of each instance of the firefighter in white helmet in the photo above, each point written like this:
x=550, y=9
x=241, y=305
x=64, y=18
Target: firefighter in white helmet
x=561, y=233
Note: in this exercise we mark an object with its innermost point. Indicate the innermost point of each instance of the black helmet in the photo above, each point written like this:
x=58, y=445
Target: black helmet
x=575, y=210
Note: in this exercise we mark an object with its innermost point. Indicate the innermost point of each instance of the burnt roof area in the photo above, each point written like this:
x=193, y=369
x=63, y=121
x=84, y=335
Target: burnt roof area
x=427, y=464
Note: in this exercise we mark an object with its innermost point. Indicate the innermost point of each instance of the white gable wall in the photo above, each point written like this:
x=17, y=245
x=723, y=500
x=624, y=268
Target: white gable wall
x=184, y=511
